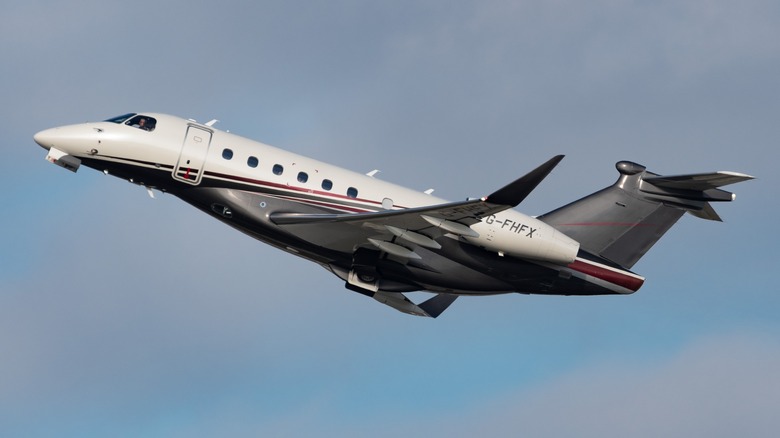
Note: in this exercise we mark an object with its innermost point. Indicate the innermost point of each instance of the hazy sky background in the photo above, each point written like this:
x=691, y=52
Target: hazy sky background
x=121, y=315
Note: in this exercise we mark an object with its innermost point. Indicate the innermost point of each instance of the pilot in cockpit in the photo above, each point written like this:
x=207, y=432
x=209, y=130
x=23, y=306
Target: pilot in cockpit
x=141, y=124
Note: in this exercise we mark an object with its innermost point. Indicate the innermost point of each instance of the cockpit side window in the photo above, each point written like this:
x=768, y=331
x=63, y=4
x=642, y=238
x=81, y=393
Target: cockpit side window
x=120, y=119
x=142, y=122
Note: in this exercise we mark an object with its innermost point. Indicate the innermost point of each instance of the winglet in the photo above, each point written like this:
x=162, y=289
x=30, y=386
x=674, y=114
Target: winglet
x=513, y=193
x=431, y=308
x=438, y=304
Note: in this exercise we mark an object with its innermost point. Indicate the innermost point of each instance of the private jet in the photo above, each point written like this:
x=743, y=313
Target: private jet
x=382, y=239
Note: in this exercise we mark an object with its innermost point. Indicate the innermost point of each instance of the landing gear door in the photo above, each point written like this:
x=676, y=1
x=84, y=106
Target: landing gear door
x=192, y=158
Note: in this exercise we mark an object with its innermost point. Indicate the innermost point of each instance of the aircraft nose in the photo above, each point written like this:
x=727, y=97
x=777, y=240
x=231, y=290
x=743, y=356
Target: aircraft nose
x=71, y=139
x=45, y=138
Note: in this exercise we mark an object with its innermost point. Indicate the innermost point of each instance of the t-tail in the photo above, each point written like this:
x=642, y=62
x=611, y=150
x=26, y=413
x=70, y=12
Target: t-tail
x=619, y=224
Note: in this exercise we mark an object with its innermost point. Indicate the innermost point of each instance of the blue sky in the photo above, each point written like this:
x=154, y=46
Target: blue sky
x=126, y=316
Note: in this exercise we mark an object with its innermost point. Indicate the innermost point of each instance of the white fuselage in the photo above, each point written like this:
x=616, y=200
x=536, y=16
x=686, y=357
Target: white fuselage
x=192, y=151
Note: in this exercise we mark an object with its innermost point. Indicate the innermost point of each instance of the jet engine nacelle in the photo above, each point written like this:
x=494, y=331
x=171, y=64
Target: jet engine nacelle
x=513, y=233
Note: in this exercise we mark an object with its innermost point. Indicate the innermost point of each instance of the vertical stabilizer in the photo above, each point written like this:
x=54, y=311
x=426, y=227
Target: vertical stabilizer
x=622, y=222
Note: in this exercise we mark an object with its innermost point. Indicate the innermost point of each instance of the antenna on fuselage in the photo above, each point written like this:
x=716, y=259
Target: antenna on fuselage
x=373, y=172
x=212, y=122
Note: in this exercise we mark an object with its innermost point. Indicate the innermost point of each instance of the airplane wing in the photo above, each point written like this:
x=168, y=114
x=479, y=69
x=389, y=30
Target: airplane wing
x=469, y=212
x=417, y=227
x=345, y=232
x=421, y=225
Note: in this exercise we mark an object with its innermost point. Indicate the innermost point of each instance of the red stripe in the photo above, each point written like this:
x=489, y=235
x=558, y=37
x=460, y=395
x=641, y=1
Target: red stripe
x=614, y=277
x=289, y=187
x=304, y=190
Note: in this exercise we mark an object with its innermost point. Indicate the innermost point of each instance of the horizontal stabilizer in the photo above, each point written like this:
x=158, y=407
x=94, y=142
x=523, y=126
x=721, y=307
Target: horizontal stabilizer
x=694, y=191
x=698, y=181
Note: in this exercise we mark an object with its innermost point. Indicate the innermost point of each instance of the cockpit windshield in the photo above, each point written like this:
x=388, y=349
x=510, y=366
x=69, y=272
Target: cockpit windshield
x=139, y=121
x=120, y=119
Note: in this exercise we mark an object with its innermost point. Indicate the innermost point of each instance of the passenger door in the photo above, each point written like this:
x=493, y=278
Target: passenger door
x=193, y=153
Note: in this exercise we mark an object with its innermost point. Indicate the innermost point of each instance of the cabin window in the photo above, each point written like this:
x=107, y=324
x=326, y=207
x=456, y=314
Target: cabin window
x=252, y=162
x=352, y=192
x=327, y=184
x=278, y=169
x=144, y=123
x=303, y=177
x=227, y=153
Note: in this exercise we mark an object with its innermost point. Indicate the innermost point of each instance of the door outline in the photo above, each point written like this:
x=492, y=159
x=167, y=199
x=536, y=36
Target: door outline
x=192, y=157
